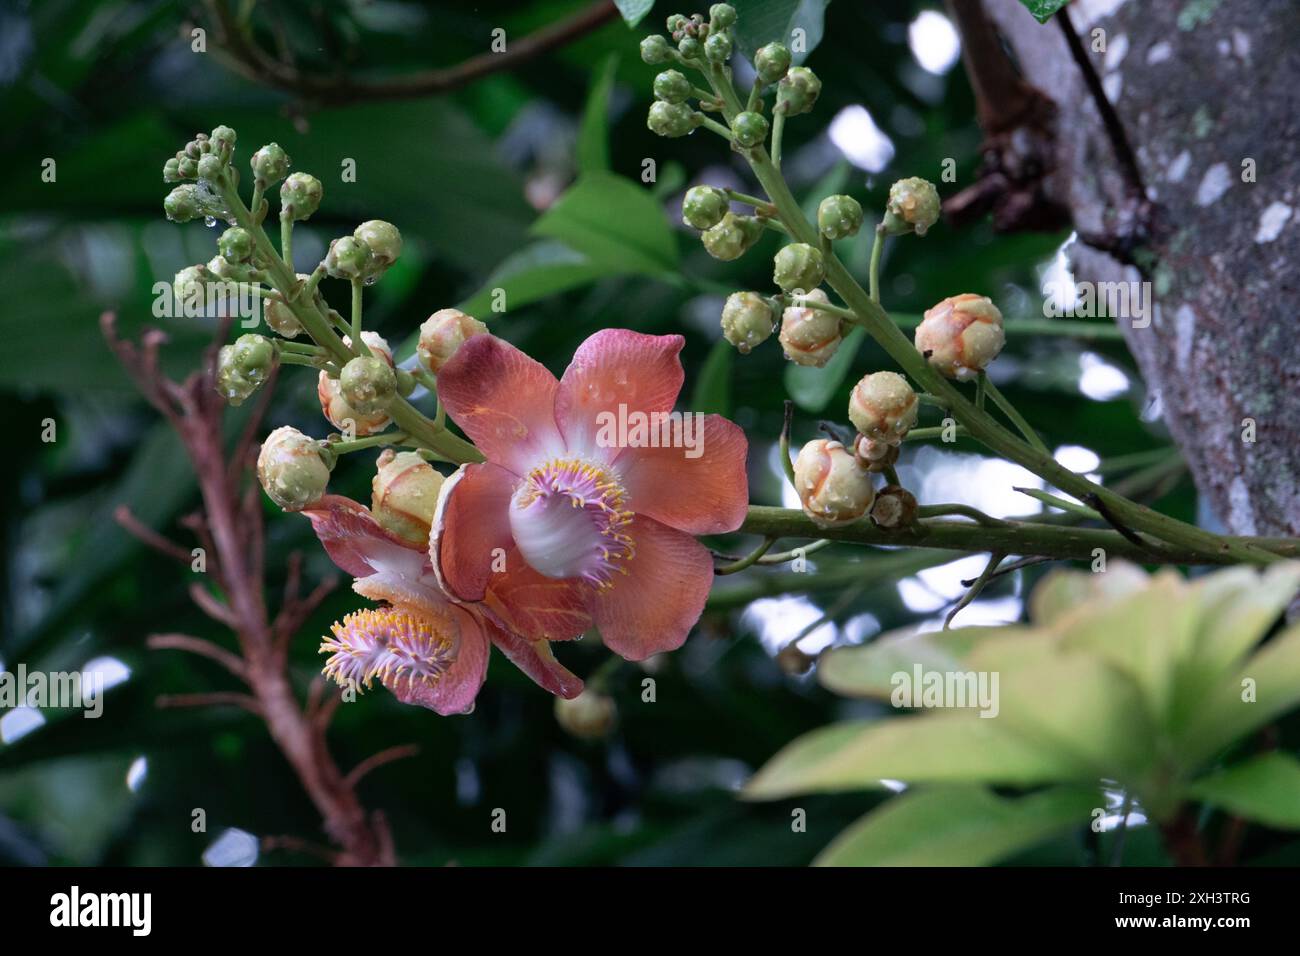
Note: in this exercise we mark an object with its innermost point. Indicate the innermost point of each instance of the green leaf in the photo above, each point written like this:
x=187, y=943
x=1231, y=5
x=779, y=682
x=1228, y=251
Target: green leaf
x=1265, y=789
x=539, y=270
x=593, y=137
x=634, y=11
x=867, y=670
x=1043, y=10
x=760, y=22
x=959, y=826
x=813, y=388
x=712, y=394
x=612, y=221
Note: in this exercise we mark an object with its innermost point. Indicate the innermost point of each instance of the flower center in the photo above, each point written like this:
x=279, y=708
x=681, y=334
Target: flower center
x=392, y=645
x=568, y=520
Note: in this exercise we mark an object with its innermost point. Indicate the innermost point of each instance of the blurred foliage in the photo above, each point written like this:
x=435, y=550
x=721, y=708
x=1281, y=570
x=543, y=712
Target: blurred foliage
x=529, y=180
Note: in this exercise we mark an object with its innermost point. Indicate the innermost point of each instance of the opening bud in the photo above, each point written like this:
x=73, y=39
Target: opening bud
x=335, y=406
x=839, y=217
x=799, y=267
x=810, y=336
x=833, y=489
x=798, y=91
x=746, y=320
x=442, y=335
x=292, y=469
x=404, y=495
x=883, y=407
x=961, y=335
x=732, y=237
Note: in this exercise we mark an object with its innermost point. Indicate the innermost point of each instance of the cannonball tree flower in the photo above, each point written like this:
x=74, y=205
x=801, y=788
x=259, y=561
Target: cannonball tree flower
x=425, y=649
x=580, y=501
x=334, y=403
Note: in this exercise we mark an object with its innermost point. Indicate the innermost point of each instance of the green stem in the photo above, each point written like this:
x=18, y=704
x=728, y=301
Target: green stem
x=748, y=560
x=358, y=343
x=1002, y=402
x=877, y=252
x=286, y=242
x=965, y=511
x=715, y=126
x=778, y=131
x=371, y=441
x=1083, y=511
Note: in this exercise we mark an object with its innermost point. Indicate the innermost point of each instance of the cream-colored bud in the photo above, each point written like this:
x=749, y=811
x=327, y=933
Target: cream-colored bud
x=883, y=406
x=336, y=408
x=810, y=336
x=291, y=469
x=442, y=335
x=961, y=335
x=404, y=495
x=589, y=716
x=833, y=488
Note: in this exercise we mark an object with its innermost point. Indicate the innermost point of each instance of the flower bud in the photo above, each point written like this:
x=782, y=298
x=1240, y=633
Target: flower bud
x=270, y=163
x=654, y=50
x=875, y=456
x=244, y=366
x=895, y=507
x=671, y=119
x=210, y=167
x=192, y=149
x=721, y=16
x=675, y=23
x=961, y=335
x=731, y=238
x=771, y=62
x=224, y=136
x=913, y=206
x=690, y=47
x=368, y=384
x=188, y=166
x=717, y=48
x=336, y=407
x=750, y=129
x=672, y=87
x=236, y=244
x=300, y=196
x=704, y=206
x=404, y=495
x=442, y=335
x=883, y=407
x=291, y=469
x=183, y=203
x=833, y=488
x=799, y=267
x=348, y=258
x=746, y=320
x=798, y=91
x=589, y=716
x=384, y=242
x=191, y=283
x=839, y=217
x=280, y=318
x=172, y=171
x=810, y=336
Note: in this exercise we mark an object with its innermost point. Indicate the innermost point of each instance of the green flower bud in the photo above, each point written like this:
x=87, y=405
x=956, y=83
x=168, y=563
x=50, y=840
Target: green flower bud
x=280, y=318
x=188, y=167
x=672, y=87
x=300, y=196
x=236, y=244
x=269, y=163
x=224, y=136
x=368, y=384
x=732, y=238
x=721, y=16
x=671, y=119
x=291, y=469
x=913, y=207
x=243, y=366
x=690, y=47
x=172, y=171
x=191, y=283
x=348, y=258
x=799, y=266
x=676, y=22
x=839, y=217
x=746, y=320
x=798, y=90
x=384, y=242
x=717, y=48
x=210, y=167
x=183, y=203
x=750, y=129
x=192, y=150
x=654, y=50
x=336, y=407
x=771, y=62
x=704, y=206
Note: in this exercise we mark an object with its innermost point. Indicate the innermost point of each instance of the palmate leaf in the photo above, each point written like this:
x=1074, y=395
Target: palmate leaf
x=957, y=826
x=1265, y=789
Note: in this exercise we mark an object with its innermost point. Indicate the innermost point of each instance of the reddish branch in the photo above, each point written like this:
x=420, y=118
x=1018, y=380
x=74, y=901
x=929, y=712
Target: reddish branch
x=229, y=528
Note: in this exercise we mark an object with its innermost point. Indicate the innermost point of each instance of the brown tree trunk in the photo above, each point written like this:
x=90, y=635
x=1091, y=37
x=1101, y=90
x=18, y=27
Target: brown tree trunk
x=1205, y=97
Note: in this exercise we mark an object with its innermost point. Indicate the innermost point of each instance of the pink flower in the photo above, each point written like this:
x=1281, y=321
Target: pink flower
x=583, y=513
x=424, y=648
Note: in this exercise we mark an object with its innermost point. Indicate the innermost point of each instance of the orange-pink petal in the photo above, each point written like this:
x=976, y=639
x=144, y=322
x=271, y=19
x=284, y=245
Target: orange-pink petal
x=616, y=367
x=535, y=606
x=535, y=659
x=708, y=494
x=654, y=608
x=504, y=401
x=471, y=524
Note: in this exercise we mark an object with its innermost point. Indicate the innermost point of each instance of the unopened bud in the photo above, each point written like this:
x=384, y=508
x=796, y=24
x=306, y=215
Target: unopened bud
x=721, y=16
x=799, y=267
x=336, y=407
x=875, y=456
x=384, y=242
x=810, y=336
x=750, y=129
x=442, y=335
x=243, y=366
x=291, y=469
x=672, y=87
x=280, y=318
x=732, y=237
x=746, y=320
x=236, y=244
x=368, y=384
x=671, y=119
x=883, y=406
x=833, y=488
x=404, y=495
x=895, y=507
x=771, y=62
x=961, y=335
x=270, y=163
x=913, y=207
x=798, y=91
x=589, y=716
x=172, y=171
x=191, y=283
x=300, y=196
x=690, y=47
x=717, y=48
x=210, y=167
x=183, y=204
x=704, y=206
x=224, y=136
x=348, y=258
x=654, y=50
x=839, y=217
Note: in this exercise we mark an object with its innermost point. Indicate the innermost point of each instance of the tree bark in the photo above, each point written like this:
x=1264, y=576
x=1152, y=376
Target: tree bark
x=1204, y=93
